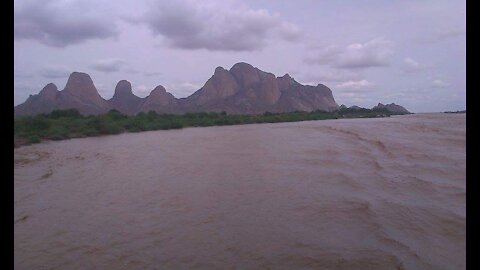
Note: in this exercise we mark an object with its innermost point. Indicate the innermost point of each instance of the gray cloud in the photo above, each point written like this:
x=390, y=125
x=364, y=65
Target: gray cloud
x=131, y=70
x=410, y=65
x=323, y=55
x=450, y=33
x=109, y=65
x=54, y=72
x=150, y=74
x=142, y=90
x=354, y=84
x=60, y=23
x=23, y=89
x=217, y=27
x=289, y=31
x=441, y=35
x=329, y=75
x=440, y=83
x=374, y=53
x=185, y=89
x=21, y=74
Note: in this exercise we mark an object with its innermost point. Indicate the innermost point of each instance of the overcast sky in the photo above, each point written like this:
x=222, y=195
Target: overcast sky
x=411, y=53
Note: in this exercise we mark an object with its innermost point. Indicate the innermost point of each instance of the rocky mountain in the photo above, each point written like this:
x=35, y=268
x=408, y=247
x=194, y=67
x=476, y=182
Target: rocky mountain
x=246, y=89
x=160, y=101
x=354, y=107
x=393, y=108
x=243, y=89
x=79, y=93
x=44, y=101
x=124, y=100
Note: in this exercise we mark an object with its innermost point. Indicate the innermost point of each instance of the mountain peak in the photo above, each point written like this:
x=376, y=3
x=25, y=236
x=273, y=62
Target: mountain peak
x=245, y=74
x=219, y=70
x=159, y=100
x=123, y=87
x=80, y=84
x=285, y=82
x=79, y=76
x=392, y=107
x=83, y=92
x=158, y=90
x=241, y=65
x=124, y=100
x=49, y=92
x=49, y=88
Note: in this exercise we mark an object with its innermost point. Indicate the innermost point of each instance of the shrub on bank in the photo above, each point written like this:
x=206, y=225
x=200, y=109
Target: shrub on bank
x=64, y=124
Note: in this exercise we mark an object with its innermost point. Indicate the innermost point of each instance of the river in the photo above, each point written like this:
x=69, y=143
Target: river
x=383, y=193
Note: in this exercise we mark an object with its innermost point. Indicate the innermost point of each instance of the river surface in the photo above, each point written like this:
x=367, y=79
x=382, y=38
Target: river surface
x=385, y=193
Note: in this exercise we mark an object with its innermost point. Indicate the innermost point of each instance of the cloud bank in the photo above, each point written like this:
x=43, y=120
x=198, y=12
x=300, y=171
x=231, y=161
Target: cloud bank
x=374, y=53
x=410, y=65
x=60, y=23
x=217, y=27
x=109, y=65
x=354, y=84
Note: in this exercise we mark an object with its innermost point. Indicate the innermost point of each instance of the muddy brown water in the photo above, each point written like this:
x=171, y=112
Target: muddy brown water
x=383, y=193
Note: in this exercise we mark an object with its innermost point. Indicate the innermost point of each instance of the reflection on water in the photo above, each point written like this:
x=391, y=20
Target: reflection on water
x=337, y=194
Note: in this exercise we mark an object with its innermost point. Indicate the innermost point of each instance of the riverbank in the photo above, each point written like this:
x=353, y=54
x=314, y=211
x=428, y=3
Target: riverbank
x=66, y=124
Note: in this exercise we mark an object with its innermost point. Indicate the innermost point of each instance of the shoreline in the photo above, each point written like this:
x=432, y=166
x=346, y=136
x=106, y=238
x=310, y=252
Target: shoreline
x=69, y=124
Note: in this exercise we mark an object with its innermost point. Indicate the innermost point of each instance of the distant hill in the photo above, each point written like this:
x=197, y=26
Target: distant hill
x=464, y=111
x=393, y=108
x=243, y=89
x=79, y=93
x=124, y=100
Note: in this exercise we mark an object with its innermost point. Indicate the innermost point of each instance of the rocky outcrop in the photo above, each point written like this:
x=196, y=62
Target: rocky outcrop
x=49, y=92
x=243, y=89
x=393, y=108
x=249, y=90
x=124, y=100
x=79, y=93
x=80, y=86
x=43, y=102
x=219, y=87
x=160, y=101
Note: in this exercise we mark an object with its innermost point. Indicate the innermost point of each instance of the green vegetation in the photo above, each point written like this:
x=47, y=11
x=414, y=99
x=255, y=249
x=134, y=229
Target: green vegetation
x=65, y=124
